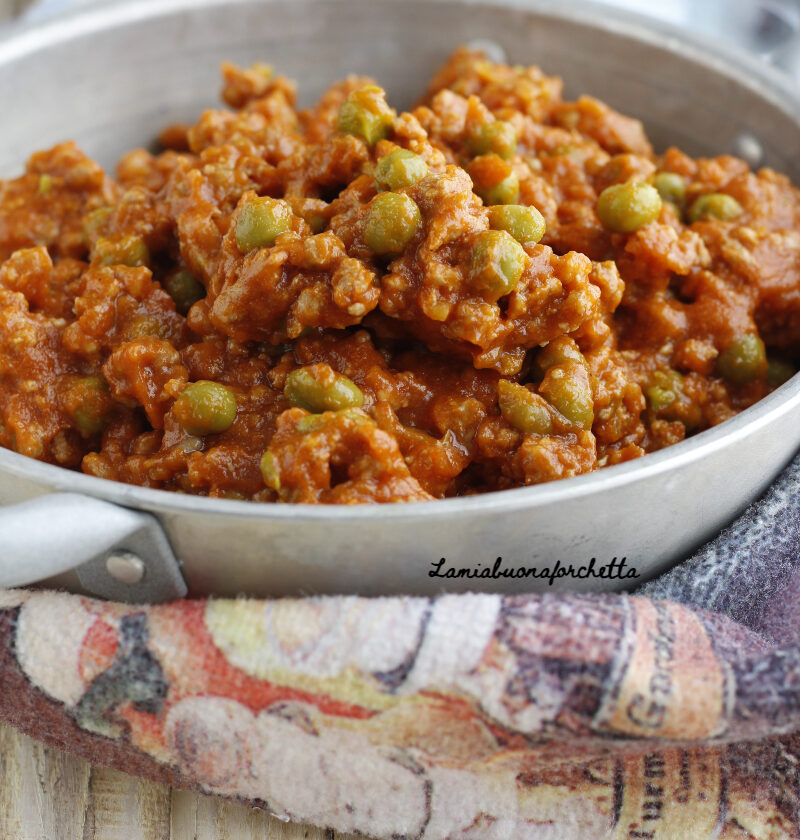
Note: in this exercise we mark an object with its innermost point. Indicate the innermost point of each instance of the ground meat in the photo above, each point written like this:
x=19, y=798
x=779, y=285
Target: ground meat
x=350, y=304
x=303, y=281
x=337, y=457
x=46, y=206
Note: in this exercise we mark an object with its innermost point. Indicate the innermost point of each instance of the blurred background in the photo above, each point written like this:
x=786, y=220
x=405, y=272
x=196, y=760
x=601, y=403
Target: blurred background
x=768, y=28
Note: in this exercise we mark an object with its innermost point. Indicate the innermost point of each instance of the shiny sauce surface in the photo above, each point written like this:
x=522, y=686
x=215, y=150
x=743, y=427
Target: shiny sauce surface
x=349, y=304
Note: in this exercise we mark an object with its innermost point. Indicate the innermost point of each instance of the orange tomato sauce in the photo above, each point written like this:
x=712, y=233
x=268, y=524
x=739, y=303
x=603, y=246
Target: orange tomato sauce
x=152, y=333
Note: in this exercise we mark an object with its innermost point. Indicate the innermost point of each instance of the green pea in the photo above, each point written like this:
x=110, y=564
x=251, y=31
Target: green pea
x=318, y=388
x=671, y=187
x=523, y=409
x=95, y=220
x=184, y=288
x=558, y=351
x=270, y=471
x=128, y=249
x=658, y=398
x=392, y=221
x=525, y=224
x=310, y=423
x=567, y=388
x=778, y=372
x=662, y=390
x=365, y=114
x=205, y=408
x=143, y=325
x=499, y=137
x=718, y=206
x=667, y=397
x=744, y=361
x=624, y=208
x=496, y=263
x=504, y=192
x=494, y=180
x=316, y=221
x=400, y=168
x=45, y=183
x=261, y=221
x=89, y=405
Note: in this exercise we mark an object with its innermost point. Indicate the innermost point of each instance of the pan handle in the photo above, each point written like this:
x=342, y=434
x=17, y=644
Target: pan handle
x=117, y=553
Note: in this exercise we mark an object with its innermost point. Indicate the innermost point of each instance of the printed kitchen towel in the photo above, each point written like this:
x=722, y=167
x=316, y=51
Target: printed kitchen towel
x=673, y=713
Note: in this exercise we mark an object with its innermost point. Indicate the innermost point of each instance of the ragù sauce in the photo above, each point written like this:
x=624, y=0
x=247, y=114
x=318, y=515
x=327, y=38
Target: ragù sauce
x=348, y=304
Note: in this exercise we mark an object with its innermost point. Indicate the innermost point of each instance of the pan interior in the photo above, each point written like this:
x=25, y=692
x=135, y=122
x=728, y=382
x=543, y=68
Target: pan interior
x=124, y=73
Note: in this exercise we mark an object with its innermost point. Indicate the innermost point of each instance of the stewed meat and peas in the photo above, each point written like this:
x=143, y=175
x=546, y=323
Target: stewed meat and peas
x=350, y=304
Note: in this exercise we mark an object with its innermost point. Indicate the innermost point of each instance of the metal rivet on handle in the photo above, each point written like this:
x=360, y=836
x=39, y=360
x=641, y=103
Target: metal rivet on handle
x=125, y=567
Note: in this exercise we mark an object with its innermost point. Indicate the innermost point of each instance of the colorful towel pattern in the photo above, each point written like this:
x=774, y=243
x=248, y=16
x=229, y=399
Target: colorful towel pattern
x=471, y=716
x=671, y=714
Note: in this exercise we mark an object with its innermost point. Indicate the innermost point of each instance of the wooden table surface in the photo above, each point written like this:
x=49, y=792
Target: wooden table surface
x=49, y=795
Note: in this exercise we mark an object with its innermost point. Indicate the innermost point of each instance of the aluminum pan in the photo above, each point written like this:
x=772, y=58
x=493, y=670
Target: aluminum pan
x=671, y=500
